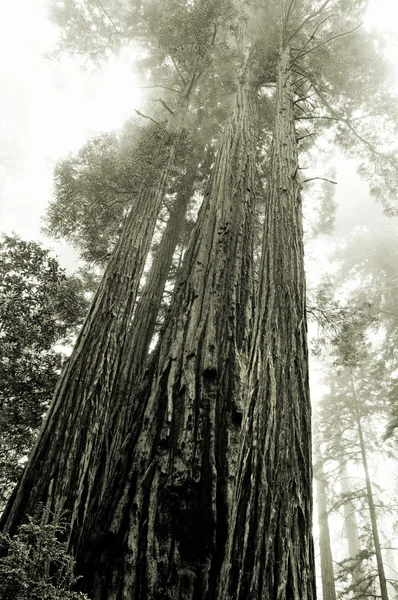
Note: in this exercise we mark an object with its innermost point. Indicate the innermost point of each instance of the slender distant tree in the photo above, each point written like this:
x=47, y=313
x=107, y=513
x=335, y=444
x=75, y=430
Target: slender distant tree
x=325, y=547
x=350, y=416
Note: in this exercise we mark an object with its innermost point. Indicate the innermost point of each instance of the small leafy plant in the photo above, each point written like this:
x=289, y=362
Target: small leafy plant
x=37, y=565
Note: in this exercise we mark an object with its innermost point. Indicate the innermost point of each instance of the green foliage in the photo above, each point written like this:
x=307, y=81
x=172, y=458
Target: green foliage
x=95, y=188
x=173, y=31
x=39, y=307
x=37, y=565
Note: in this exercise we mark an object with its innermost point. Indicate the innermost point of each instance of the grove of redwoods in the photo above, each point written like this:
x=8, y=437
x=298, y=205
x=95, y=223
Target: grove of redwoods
x=175, y=458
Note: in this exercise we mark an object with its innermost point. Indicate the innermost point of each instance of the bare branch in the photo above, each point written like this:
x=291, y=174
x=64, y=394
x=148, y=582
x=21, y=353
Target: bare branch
x=334, y=37
x=321, y=178
x=178, y=70
x=163, y=103
x=313, y=117
x=300, y=53
x=302, y=137
x=268, y=39
x=164, y=87
x=310, y=18
x=147, y=117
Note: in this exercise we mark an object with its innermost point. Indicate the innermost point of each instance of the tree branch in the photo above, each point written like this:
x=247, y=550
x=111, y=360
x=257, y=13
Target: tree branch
x=147, y=117
x=300, y=53
x=334, y=37
x=163, y=103
x=335, y=116
x=108, y=16
x=305, y=136
x=268, y=39
x=164, y=87
x=289, y=10
x=310, y=17
x=178, y=70
x=321, y=178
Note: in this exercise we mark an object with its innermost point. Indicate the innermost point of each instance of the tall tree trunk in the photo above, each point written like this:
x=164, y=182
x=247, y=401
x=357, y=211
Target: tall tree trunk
x=64, y=463
x=270, y=548
x=372, y=514
x=169, y=525
x=327, y=572
x=141, y=332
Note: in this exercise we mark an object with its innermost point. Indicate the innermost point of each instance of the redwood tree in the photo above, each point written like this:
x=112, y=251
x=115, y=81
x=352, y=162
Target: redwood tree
x=270, y=550
x=62, y=468
x=165, y=526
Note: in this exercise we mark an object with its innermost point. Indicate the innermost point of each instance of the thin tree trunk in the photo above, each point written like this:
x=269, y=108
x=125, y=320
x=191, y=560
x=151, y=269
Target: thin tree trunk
x=372, y=514
x=350, y=519
x=169, y=526
x=63, y=465
x=359, y=580
x=389, y=553
x=270, y=548
x=327, y=572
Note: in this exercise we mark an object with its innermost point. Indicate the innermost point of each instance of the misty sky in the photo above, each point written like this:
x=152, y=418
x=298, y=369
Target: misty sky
x=49, y=108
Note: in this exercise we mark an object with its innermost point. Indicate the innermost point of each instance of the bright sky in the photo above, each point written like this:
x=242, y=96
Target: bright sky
x=48, y=109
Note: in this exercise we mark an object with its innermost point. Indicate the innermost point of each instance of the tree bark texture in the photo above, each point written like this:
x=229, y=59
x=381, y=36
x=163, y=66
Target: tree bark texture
x=63, y=465
x=139, y=337
x=325, y=547
x=169, y=524
x=270, y=549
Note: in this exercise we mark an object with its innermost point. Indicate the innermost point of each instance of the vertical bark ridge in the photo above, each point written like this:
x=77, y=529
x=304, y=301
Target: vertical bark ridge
x=142, y=328
x=63, y=464
x=270, y=549
x=183, y=460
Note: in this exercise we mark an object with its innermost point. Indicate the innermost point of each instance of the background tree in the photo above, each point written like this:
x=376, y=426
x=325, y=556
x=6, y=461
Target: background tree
x=325, y=548
x=353, y=424
x=40, y=308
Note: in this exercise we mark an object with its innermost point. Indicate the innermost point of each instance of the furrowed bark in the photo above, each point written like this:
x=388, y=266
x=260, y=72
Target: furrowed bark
x=139, y=338
x=170, y=523
x=64, y=463
x=270, y=549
